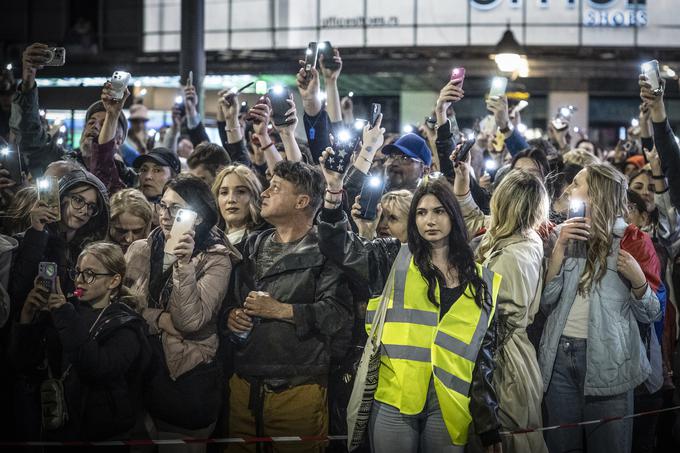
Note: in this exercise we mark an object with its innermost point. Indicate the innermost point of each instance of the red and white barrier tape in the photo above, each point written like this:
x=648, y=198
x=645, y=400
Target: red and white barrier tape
x=252, y=440
x=588, y=422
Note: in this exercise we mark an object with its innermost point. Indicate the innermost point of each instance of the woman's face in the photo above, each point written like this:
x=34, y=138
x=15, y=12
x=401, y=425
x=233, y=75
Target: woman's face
x=167, y=209
x=393, y=223
x=432, y=220
x=644, y=186
x=578, y=189
x=78, y=206
x=93, y=279
x=233, y=200
x=127, y=228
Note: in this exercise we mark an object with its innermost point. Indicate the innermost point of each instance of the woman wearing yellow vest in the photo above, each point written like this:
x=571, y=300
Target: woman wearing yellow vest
x=438, y=342
x=512, y=247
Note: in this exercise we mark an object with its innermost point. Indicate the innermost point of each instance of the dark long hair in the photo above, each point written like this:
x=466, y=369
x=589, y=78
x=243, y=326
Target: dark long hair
x=460, y=257
x=198, y=196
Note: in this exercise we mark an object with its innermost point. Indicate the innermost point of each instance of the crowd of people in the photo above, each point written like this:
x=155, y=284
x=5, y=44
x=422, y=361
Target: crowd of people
x=201, y=290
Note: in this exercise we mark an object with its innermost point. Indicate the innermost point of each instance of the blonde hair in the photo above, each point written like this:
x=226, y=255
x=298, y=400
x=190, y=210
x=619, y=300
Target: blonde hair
x=519, y=205
x=111, y=256
x=249, y=179
x=133, y=202
x=580, y=157
x=607, y=191
x=398, y=200
x=17, y=218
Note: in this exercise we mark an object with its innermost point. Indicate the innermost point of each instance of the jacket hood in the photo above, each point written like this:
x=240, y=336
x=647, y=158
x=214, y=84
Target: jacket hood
x=99, y=225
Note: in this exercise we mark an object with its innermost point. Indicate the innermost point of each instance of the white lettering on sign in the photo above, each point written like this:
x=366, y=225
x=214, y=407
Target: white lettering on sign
x=616, y=18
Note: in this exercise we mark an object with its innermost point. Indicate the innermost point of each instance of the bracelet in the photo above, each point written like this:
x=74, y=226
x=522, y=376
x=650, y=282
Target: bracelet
x=265, y=147
x=334, y=203
x=658, y=177
x=230, y=129
x=464, y=195
x=334, y=192
x=640, y=287
x=367, y=160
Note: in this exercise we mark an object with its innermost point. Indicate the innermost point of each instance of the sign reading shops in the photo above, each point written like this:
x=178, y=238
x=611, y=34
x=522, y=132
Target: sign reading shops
x=596, y=13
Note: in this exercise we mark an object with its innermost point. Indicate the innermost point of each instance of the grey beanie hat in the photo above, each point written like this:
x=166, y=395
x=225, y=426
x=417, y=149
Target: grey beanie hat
x=99, y=107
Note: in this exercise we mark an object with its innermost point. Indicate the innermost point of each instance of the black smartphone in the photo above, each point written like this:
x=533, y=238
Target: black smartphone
x=344, y=144
x=244, y=108
x=311, y=54
x=371, y=192
x=375, y=113
x=278, y=96
x=461, y=156
x=10, y=159
x=326, y=49
x=47, y=275
x=179, y=105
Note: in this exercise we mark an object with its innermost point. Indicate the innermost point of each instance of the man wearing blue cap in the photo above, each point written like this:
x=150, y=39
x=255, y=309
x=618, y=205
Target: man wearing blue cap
x=408, y=160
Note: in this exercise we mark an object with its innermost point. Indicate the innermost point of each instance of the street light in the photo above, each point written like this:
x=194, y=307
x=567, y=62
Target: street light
x=508, y=52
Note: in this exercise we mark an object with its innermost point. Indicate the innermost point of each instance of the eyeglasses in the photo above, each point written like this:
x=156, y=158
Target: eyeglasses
x=88, y=276
x=401, y=159
x=161, y=208
x=78, y=203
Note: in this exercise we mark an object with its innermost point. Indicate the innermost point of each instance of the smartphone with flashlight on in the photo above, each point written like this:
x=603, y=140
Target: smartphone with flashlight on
x=10, y=160
x=650, y=70
x=311, y=55
x=179, y=105
x=575, y=248
x=48, y=192
x=498, y=86
x=371, y=192
x=344, y=144
x=490, y=168
x=458, y=74
x=184, y=222
x=278, y=96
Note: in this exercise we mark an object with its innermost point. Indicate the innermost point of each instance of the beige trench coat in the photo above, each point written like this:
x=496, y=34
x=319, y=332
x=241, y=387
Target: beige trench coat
x=517, y=378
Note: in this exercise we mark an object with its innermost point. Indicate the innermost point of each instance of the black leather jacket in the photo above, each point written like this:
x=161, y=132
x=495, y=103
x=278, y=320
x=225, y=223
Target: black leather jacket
x=369, y=262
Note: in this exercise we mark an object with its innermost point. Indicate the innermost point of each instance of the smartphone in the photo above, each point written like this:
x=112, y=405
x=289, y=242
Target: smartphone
x=458, y=74
x=326, y=49
x=179, y=105
x=343, y=145
x=184, y=222
x=48, y=191
x=371, y=192
x=311, y=55
x=498, y=86
x=57, y=57
x=375, y=113
x=559, y=124
x=577, y=208
x=576, y=249
x=47, y=275
x=490, y=168
x=650, y=70
x=279, y=96
x=190, y=79
x=465, y=149
x=119, y=81
x=521, y=105
x=11, y=161
x=244, y=108
x=430, y=122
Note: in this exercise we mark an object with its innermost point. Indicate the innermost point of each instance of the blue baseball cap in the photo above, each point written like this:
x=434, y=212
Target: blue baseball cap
x=412, y=146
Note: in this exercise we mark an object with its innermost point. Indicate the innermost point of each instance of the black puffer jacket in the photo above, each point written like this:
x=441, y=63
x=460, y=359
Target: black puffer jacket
x=108, y=356
x=322, y=307
x=50, y=245
x=369, y=262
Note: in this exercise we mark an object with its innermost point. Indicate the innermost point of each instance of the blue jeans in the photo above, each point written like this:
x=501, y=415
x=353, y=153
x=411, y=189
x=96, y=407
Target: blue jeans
x=566, y=403
x=393, y=432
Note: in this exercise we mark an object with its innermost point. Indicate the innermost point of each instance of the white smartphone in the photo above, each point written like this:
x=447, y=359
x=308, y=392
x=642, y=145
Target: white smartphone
x=498, y=86
x=119, y=81
x=57, y=56
x=190, y=79
x=650, y=70
x=184, y=222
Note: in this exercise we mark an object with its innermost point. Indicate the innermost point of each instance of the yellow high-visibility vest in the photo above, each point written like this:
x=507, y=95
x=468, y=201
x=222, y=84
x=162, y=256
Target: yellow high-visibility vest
x=416, y=345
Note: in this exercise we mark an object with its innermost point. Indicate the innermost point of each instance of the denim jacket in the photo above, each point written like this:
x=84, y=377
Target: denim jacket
x=616, y=361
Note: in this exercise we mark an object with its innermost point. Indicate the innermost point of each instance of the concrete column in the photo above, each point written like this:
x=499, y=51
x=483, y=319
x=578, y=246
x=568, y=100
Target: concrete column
x=192, y=50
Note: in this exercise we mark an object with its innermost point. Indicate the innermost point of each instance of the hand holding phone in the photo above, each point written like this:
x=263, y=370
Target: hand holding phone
x=498, y=86
x=48, y=194
x=651, y=72
x=10, y=160
x=57, y=56
x=371, y=193
x=375, y=114
x=328, y=52
x=311, y=55
x=184, y=223
x=343, y=146
x=190, y=79
x=465, y=148
x=119, y=82
x=458, y=76
x=47, y=275
x=278, y=97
